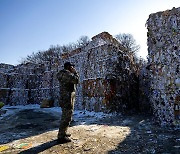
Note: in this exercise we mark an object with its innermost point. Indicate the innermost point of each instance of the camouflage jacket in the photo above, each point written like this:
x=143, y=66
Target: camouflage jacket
x=67, y=80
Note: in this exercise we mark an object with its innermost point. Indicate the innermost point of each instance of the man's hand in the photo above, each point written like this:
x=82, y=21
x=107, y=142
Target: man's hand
x=73, y=70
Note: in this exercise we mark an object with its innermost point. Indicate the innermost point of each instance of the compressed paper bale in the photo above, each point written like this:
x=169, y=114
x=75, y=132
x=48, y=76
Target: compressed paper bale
x=45, y=93
x=163, y=53
x=47, y=79
x=4, y=94
x=18, y=97
x=34, y=96
x=6, y=68
x=55, y=95
x=3, y=80
x=33, y=81
x=16, y=80
x=90, y=89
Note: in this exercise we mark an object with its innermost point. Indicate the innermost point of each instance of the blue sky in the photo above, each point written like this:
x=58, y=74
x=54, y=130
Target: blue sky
x=28, y=26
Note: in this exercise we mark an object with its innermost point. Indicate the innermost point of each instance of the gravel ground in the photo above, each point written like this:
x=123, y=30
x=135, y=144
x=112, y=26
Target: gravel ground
x=37, y=129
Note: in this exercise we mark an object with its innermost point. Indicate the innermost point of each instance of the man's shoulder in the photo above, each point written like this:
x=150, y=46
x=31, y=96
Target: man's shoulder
x=64, y=73
x=60, y=74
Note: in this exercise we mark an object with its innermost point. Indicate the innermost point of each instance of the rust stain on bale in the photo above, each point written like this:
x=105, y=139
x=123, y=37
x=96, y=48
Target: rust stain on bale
x=71, y=53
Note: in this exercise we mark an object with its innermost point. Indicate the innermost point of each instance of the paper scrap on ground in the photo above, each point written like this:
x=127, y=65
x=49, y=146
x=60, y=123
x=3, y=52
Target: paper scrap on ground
x=3, y=148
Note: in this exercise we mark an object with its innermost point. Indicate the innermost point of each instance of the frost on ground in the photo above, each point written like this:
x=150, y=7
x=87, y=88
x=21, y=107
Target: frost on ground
x=31, y=129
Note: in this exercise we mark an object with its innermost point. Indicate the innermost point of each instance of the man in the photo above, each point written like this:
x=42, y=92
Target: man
x=68, y=78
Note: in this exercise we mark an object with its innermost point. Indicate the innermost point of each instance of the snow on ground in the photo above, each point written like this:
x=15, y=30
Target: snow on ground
x=11, y=110
x=56, y=111
x=32, y=129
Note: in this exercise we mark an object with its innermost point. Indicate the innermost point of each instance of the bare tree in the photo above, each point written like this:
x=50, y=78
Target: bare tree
x=83, y=41
x=54, y=52
x=128, y=42
x=42, y=56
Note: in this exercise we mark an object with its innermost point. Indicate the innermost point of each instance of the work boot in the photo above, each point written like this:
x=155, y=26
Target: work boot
x=63, y=140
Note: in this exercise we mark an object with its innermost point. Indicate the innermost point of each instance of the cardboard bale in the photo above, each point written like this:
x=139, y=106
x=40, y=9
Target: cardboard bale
x=3, y=80
x=55, y=82
x=45, y=93
x=163, y=52
x=33, y=81
x=6, y=68
x=55, y=95
x=39, y=69
x=17, y=80
x=18, y=97
x=4, y=94
x=47, y=79
x=34, y=96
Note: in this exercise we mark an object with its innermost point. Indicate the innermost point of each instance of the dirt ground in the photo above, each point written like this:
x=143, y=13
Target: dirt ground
x=34, y=130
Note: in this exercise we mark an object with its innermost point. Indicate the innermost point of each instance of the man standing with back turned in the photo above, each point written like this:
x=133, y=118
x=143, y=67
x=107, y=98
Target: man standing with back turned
x=68, y=78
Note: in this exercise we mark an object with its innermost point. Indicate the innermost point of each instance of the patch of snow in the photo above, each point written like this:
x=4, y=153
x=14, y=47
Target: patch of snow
x=98, y=115
x=85, y=115
x=8, y=113
x=126, y=122
x=11, y=110
x=53, y=110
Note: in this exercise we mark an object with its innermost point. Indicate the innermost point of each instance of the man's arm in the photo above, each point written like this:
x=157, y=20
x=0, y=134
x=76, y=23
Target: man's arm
x=73, y=77
x=59, y=75
x=68, y=76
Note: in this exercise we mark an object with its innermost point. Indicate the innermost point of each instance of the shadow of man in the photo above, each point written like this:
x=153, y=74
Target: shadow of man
x=40, y=148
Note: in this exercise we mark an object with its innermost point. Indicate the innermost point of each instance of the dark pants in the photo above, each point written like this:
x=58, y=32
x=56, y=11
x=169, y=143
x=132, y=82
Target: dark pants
x=67, y=113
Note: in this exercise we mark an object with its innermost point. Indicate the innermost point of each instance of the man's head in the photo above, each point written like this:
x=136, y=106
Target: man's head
x=68, y=65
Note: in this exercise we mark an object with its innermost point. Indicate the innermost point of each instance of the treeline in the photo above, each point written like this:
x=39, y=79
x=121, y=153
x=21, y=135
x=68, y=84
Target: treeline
x=54, y=52
x=127, y=41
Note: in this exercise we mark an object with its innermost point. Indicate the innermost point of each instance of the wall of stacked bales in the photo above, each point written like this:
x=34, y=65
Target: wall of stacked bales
x=27, y=83
x=5, y=70
x=108, y=78
x=108, y=75
x=164, y=60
